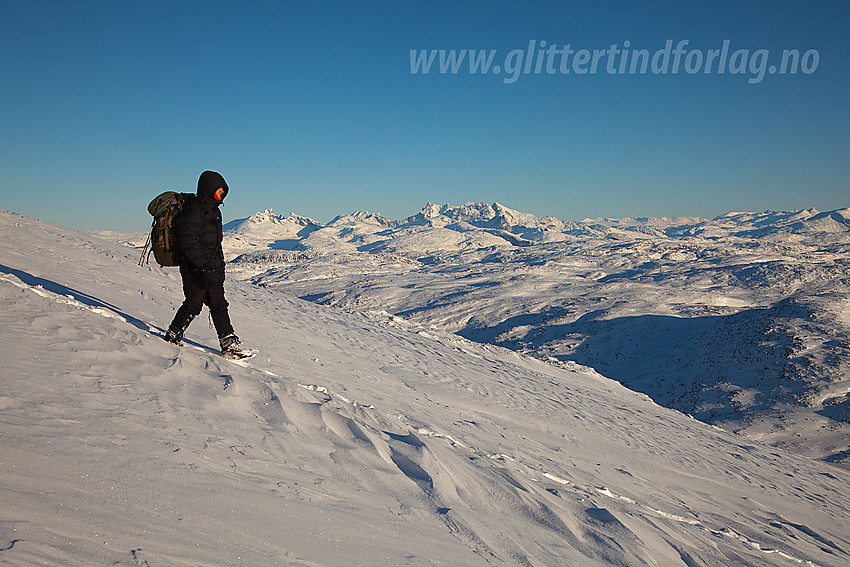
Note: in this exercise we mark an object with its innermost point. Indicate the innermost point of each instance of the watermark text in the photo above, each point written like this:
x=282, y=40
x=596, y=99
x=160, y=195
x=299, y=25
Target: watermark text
x=542, y=58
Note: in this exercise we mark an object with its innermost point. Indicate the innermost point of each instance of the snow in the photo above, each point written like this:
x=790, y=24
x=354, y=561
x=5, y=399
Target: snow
x=267, y=231
x=357, y=438
x=740, y=321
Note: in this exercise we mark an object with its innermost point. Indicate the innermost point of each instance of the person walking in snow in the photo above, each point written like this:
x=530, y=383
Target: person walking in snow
x=199, y=236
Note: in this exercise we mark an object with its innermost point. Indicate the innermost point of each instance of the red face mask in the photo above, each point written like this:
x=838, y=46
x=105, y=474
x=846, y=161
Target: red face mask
x=219, y=194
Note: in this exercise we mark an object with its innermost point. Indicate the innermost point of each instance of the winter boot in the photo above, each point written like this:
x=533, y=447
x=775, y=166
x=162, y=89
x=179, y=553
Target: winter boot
x=174, y=335
x=230, y=348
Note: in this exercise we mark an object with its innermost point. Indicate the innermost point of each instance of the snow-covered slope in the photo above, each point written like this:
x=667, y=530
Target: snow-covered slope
x=736, y=320
x=350, y=440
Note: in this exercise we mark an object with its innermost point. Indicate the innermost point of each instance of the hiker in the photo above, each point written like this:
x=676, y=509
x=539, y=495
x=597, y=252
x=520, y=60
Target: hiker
x=198, y=228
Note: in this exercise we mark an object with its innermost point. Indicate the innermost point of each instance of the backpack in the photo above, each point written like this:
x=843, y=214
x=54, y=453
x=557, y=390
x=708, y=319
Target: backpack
x=162, y=240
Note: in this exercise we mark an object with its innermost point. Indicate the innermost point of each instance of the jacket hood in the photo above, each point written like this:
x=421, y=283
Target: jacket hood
x=208, y=184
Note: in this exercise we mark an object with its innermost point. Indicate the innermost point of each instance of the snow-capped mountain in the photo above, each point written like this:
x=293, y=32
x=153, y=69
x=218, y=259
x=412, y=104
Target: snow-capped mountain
x=356, y=439
x=807, y=223
x=364, y=217
x=483, y=215
x=742, y=321
x=268, y=231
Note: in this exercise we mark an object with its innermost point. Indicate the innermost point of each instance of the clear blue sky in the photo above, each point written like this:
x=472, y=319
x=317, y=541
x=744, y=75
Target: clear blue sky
x=312, y=107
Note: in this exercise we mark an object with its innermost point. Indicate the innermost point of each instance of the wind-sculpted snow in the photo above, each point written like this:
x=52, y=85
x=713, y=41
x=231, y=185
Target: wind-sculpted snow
x=740, y=320
x=350, y=440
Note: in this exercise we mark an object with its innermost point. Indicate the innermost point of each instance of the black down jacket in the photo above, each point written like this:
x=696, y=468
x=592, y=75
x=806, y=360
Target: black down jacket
x=199, y=226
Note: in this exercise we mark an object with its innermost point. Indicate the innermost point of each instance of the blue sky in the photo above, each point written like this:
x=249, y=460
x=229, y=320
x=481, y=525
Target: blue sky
x=312, y=107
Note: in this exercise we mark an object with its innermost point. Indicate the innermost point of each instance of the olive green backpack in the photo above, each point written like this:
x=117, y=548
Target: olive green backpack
x=162, y=240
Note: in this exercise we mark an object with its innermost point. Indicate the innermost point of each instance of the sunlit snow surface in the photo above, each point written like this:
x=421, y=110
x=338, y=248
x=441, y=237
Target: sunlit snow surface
x=741, y=321
x=369, y=439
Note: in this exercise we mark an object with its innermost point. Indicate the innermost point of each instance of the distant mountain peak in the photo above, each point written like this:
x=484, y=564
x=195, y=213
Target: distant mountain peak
x=361, y=217
x=264, y=216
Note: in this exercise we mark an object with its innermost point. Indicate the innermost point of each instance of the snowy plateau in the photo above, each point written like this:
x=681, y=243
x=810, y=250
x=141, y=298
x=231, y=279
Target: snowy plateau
x=469, y=386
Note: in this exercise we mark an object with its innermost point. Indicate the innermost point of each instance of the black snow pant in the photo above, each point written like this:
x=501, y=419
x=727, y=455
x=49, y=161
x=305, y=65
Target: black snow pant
x=197, y=295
